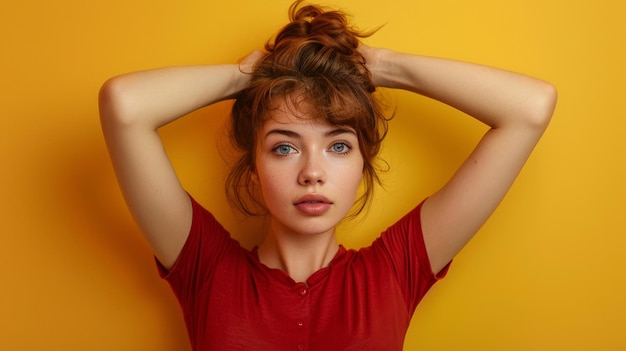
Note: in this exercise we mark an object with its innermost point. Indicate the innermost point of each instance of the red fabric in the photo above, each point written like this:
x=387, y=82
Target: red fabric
x=362, y=301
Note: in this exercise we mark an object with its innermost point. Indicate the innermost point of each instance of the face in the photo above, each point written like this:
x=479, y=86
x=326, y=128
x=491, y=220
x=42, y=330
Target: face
x=309, y=172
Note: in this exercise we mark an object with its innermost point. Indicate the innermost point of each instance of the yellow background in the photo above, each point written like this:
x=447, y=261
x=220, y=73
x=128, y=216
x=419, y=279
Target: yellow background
x=545, y=273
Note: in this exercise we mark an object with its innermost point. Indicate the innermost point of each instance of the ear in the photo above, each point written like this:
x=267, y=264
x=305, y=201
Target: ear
x=254, y=177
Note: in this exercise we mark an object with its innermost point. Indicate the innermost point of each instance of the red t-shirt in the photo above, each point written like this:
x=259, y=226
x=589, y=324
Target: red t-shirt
x=363, y=300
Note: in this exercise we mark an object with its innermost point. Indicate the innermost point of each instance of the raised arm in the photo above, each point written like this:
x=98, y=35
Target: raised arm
x=517, y=109
x=132, y=108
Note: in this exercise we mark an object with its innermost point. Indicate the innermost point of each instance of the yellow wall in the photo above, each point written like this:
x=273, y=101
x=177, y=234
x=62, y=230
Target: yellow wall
x=546, y=272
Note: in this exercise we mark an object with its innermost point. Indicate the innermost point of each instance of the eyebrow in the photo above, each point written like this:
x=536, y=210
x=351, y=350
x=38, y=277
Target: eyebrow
x=292, y=134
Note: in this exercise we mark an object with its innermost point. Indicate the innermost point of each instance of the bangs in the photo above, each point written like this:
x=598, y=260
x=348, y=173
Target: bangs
x=319, y=99
x=312, y=68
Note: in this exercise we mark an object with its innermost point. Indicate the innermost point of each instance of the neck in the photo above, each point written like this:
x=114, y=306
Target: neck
x=298, y=255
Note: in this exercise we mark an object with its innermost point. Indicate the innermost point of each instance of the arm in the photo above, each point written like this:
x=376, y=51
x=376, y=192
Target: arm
x=132, y=108
x=517, y=109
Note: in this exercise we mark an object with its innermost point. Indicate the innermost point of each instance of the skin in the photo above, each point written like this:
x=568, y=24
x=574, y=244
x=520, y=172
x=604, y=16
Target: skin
x=309, y=172
x=517, y=108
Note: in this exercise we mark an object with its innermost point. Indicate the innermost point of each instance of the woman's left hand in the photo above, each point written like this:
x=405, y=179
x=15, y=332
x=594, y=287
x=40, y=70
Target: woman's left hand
x=375, y=63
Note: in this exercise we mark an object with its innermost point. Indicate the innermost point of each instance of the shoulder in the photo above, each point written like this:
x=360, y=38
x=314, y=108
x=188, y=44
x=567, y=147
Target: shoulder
x=400, y=250
x=208, y=242
x=405, y=236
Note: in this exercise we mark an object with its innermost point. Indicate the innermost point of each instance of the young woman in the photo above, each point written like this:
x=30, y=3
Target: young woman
x=309, y=130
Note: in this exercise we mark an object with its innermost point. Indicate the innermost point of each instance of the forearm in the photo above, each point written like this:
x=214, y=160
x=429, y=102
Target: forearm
x=496, y=97
x=156, y=97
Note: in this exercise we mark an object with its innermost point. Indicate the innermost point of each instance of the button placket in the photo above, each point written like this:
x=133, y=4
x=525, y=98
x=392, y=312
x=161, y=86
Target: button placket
x=302, y=290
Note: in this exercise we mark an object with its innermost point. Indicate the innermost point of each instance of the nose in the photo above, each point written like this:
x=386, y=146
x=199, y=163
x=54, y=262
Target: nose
x=312, y=171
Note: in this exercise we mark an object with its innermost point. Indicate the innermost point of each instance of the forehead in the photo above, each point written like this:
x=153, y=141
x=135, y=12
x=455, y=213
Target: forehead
x=290, y=112
x=299, y=114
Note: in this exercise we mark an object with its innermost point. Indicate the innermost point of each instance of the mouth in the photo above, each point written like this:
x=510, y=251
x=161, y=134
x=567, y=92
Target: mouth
x=312, y=199
x=313, y=205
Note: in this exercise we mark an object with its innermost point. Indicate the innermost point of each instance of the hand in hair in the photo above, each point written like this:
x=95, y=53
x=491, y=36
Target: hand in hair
x=248, y=62
x=374, y=63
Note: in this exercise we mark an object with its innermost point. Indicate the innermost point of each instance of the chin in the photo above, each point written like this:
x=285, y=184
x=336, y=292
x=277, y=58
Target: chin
x=312, y=225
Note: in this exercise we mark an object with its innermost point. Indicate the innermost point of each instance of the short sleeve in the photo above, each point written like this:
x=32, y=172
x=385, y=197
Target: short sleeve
x=403, y=243
x=206, y=244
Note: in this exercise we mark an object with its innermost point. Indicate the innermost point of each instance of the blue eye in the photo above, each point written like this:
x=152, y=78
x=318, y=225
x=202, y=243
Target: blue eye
x=283, y=149
x=341, y=148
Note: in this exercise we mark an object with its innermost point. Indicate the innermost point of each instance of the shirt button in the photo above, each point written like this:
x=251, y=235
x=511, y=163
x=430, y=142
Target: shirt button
x=303, y=291
x=300, y=323
x=300, y=346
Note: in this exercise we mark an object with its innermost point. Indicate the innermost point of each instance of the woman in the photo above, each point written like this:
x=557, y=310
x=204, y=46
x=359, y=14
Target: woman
x=309, y=128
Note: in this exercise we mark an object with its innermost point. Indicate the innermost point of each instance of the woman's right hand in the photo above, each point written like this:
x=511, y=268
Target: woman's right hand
x=132, y=108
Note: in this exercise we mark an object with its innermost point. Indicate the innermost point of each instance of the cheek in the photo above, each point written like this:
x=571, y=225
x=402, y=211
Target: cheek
x=358, y=170
x=357, y=181
x=267, y=179
x=348, y=179
x=270, y=180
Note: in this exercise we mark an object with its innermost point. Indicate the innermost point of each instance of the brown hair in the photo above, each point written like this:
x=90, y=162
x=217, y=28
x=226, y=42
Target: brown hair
x=313, y=59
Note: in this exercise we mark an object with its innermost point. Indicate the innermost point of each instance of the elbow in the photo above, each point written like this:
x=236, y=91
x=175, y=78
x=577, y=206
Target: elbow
x=113, y=103
x=542, y=104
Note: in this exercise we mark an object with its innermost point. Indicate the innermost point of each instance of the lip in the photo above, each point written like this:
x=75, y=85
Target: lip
x=313, y=204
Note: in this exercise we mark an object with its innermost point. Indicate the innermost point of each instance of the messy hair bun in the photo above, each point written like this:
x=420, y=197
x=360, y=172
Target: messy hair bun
x=328, y=33
x=314, y=60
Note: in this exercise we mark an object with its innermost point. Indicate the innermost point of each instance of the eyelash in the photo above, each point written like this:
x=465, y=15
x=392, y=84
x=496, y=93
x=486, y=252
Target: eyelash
x=277, y=147
x=346, y=144
x=341, y=142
